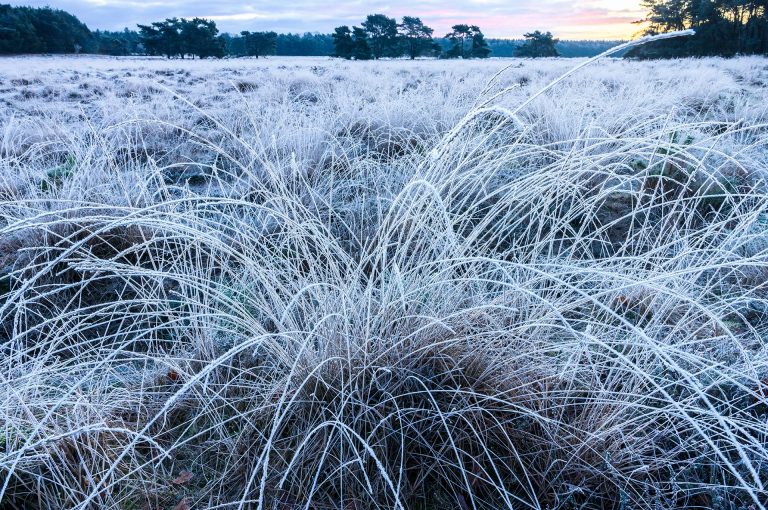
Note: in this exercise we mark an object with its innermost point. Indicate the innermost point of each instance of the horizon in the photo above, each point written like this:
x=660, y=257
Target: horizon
x=579, y=20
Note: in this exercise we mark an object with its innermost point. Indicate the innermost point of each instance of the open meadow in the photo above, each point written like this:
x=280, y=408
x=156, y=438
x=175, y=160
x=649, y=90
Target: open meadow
x=307, y=283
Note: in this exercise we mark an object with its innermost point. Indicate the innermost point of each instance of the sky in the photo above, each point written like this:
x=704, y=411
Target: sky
x=574, y=19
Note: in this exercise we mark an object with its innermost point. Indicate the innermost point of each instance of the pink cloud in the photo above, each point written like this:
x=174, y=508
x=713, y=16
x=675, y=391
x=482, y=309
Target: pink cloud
x=565, y=19
x=498, y=18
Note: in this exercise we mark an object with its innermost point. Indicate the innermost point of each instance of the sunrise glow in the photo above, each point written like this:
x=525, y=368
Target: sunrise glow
x=588, y=19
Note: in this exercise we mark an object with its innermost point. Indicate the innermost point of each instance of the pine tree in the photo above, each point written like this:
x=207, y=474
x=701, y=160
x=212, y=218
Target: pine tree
x=723, y=27
x=343, y=43
x=199, y=37
x=259, y=44
x=416, y=37
x=362, y=51
x=381, y=31
x=467, y=41
x=538, y=44
x=480, y=47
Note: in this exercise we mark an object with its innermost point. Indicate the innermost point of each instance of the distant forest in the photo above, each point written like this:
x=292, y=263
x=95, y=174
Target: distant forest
x=313, y=44
x=27, y=30
x=724, y=27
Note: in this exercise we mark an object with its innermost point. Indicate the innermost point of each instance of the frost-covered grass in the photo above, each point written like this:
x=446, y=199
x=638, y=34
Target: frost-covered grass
x=305, y=283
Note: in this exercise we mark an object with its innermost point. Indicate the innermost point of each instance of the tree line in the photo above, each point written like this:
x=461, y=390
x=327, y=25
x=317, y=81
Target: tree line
x=27, y=30
x=381, y=36
x=129, y=42
x=176, y=37
x=723, y=28
x=44, y=30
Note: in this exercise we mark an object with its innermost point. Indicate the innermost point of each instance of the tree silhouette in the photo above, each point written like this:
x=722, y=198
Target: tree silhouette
x=176, y=37
x=538, y=44
x=199, y=37
x=125, y=42
x=362, y=51
x=723, y=27
x=17, y=33
x=416, y=37
x=258, y=44
x=382, y=33
x=343, y=43
x=480, y=47
x=162, y=38
x=45, y=30
x=467, y=41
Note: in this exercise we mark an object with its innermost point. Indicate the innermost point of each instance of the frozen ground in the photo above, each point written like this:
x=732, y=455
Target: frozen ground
x=311, y=283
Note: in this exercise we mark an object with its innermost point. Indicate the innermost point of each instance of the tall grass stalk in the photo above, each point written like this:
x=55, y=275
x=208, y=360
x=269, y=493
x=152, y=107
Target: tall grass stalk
x=484, y=316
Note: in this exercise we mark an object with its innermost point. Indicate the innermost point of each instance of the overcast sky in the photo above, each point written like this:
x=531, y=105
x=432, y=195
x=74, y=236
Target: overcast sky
x=574, y=19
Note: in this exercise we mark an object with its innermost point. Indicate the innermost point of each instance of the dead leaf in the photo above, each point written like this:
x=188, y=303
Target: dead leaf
x=183, y=505
x=183, y=477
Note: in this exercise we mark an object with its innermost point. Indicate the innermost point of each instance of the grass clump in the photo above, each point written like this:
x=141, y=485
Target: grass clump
x=479, y=320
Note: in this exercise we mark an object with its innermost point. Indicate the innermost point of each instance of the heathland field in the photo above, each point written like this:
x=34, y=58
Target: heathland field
x=317, y=284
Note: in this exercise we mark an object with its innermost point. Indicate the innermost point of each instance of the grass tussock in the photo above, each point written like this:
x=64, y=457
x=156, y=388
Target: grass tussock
x=500, y=312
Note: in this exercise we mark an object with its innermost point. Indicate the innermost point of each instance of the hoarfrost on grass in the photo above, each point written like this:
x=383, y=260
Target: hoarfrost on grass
x=308, y=283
